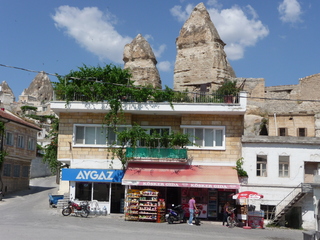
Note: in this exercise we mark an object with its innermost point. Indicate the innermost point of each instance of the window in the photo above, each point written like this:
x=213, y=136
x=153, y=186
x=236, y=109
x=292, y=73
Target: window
x=95, y=135
x=302, y=132
x=261, y=166
x=16, y=170
x=268, y=211
x=100, y=191
x=20, y=142
x=284, y=166
x=161, y=131
x=283, y=132
x=9, y=138
x=7, y=170
x=206, y=136
x=25, y=171
x=31, y=144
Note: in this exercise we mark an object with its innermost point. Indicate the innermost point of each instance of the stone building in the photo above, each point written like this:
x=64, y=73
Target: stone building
x=20, y=143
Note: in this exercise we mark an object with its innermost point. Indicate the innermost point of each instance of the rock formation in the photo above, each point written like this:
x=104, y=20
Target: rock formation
x=40, y=90
x=6, y=96
x=139, y=58
x=201, y=60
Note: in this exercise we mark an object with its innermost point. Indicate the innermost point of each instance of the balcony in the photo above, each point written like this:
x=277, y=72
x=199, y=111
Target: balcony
x=157, y=154
x=191, y=103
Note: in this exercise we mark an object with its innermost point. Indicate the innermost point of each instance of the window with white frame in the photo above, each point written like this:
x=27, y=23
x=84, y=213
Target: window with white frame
x=96, y=134
x=262, y=166
x=20, y=141
x=9, y=138
x=284, y=166
x=211, y=137
x=153, y=130
x=31, y=144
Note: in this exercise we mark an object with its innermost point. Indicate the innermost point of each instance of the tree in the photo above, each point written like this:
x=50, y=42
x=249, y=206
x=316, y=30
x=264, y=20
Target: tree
x=51, y=150
x=94, y=84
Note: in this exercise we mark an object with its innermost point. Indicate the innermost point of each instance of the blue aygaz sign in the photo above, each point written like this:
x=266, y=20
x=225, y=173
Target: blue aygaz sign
x=92, y=175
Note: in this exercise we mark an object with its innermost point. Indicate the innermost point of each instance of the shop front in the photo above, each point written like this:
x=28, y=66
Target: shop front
x=211, y=186
x=100, y=186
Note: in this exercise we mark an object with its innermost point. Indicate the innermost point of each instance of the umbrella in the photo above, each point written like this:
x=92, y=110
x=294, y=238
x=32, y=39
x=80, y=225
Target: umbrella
x=247, y=195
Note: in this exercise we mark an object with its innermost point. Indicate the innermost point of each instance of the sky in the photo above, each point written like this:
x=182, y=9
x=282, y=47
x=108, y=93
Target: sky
x=277, y=40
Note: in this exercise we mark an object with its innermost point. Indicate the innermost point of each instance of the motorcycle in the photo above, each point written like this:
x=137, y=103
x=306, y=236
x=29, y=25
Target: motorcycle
x=196, y=217
x=82, y=209
x=175, y=214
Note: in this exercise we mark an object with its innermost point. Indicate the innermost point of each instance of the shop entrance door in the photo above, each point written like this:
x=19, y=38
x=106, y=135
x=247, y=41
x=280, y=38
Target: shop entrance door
x=173, y=196
x=117, y=198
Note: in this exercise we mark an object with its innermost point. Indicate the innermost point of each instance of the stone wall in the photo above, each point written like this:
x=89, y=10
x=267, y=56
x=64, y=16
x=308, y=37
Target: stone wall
x=233, y=124
x=292, y=123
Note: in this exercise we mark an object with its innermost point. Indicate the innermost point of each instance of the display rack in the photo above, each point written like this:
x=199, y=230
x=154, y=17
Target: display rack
x=132, y=205
x=148, y=205
x=161, y=216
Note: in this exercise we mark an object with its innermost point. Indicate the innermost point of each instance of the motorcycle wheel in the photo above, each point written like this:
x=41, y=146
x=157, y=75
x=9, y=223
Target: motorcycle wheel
x=230, y=222
x=170, y=219
x=84, y=213
x=66, y=211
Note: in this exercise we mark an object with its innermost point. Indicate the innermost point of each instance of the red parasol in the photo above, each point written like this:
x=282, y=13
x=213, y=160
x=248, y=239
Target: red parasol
x=247, y=195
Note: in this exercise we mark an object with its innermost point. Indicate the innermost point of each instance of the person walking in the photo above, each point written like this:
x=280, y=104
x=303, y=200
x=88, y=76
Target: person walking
x=226, y=213
x=192, y=208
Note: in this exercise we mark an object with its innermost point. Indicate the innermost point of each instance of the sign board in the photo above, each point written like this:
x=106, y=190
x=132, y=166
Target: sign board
x=92, y=175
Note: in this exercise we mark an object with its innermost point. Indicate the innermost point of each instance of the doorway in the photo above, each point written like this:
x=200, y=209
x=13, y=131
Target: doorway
x=117, y=198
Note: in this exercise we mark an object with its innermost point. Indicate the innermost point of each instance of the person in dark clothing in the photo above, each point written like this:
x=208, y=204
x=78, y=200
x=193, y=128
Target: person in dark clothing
x=226, y=213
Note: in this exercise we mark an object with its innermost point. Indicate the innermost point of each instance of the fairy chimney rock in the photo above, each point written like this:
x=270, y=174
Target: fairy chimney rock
x=201, y=60
x=40, y=89
x=139, y=58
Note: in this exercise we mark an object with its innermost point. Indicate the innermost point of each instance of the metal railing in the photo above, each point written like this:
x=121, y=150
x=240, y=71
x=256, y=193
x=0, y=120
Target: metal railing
x=159, y=153
x=178, y=97
x=286, y=201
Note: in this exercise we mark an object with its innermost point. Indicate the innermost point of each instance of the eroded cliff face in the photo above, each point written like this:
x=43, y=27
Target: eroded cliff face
x=200, y=54
x=139, y=58
x=40, y=89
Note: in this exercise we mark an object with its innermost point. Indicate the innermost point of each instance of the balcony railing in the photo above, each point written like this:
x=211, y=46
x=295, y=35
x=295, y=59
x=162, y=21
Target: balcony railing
x=179, y=97
x=156, y=153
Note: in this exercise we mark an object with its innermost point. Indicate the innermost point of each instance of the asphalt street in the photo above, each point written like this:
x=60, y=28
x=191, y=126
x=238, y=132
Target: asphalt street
x=27, y=215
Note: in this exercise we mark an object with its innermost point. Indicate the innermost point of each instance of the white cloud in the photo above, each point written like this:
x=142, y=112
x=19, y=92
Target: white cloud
x=164, y=66
x=181, y=15
x=93, y=30
x=158, y=52
x=290, y=11
x=238, y=27
x=214, y=3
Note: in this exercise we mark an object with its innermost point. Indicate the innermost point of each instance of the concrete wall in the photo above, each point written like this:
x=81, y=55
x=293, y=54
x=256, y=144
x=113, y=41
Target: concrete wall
x=39, y=169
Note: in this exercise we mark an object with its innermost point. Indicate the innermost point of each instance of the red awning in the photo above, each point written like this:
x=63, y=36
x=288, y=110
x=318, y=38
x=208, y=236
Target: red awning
x=194, y=176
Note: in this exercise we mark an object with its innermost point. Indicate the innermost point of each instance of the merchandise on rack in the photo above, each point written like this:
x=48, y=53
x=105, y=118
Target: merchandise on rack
x=148, y=205
x=161, y=217
x=132, y=205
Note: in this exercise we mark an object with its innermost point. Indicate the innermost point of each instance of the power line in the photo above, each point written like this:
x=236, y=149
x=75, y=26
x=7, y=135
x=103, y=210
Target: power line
x=115, y=84
x=28, y=70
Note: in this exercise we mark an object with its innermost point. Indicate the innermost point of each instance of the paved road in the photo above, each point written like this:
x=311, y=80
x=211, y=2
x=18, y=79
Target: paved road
x=27, y=216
